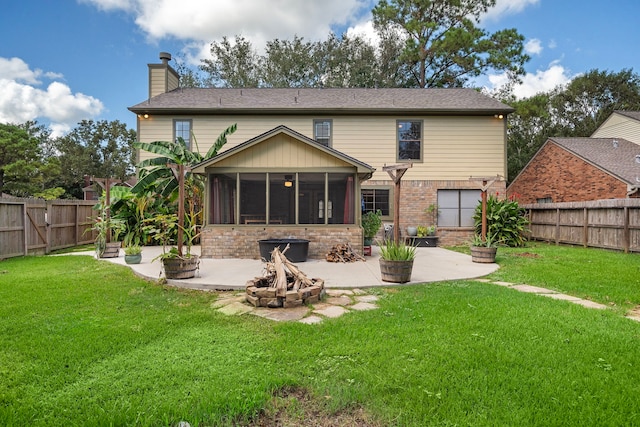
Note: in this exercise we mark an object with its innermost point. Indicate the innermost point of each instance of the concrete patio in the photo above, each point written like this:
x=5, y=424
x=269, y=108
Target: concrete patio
x=430, y=265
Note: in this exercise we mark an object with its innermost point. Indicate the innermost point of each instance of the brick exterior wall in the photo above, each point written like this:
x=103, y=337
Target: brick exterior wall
x=416, y=196
x=557, y=174
x=242, y=242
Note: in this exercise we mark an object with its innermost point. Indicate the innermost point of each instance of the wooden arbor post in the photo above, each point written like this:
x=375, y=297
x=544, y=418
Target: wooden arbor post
x=396, y=172
x=486, y=183
x=181, y=169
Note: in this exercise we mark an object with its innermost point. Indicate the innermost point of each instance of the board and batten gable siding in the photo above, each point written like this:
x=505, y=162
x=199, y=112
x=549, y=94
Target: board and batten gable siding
x=454, y=147
x=282, y=151
x=619, y=126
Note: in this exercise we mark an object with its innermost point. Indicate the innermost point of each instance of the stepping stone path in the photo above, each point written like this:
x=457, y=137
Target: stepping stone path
x=337, y=303
x=340, y=302
x=633, y=314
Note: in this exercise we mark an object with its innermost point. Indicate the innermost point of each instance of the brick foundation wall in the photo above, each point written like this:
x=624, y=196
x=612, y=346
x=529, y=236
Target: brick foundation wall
x=416, y=196
x=563, y=177
x=242, y=241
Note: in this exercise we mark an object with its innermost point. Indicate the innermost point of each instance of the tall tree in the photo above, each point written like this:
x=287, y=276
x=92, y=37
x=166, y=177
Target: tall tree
x=19, y=157
x=443, y=45
x=289, y=63
x=346, y=61
x=97, y=148
x=587, y=101
x=232, y=65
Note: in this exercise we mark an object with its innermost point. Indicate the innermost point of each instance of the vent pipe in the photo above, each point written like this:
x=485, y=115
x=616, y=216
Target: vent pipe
x=165, y=57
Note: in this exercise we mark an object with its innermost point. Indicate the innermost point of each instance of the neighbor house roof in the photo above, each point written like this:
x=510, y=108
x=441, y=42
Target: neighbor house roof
x=631, y=114
x=306, y=100
x=619, y=157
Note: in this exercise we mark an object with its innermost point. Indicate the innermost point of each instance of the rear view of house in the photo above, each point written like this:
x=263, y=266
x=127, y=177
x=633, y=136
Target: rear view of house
x=308, y=162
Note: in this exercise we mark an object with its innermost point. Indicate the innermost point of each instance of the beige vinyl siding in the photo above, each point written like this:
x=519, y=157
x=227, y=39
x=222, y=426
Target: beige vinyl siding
x=173, y=81
x=282, y=151
x=618, y=126
x=455, y=147
x=157, y=81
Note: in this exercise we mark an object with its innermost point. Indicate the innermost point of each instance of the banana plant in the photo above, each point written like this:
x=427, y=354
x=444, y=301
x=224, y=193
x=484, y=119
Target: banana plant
x=156, y=174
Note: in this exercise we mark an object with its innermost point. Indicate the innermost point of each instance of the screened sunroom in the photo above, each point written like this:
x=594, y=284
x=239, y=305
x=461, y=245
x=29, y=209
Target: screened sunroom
x=281, y=184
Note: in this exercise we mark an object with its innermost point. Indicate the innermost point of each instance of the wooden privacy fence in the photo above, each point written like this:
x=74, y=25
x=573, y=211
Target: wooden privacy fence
x=610, y=224
x=34, y=226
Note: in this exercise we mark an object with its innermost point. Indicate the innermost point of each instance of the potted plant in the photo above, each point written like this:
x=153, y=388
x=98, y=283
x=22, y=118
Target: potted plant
x=162, y=229
x=396, y=261
x=106, y=229
x=371, y=223
x=412, y=231
x=484, y=250
x=132, y=248
x=133, y=254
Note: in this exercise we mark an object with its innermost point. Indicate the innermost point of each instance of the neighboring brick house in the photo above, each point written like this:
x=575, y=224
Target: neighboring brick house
x=579, y=169
x=309, y=162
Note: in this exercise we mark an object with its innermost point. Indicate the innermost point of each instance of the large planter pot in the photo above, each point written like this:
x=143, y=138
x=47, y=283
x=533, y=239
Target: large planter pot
x=180, y=268
x=395, y=271
x=111, y=250
x=412, y=231
x=483, y=254
x=297, y=252
x=133, y=259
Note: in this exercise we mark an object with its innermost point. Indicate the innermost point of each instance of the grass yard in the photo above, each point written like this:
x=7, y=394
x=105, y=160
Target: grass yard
x=84, y=343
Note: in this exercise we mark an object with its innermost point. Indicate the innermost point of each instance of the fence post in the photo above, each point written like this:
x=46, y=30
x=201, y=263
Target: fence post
x=585, y=230
x=24, y=228
x=557, y=226
x=626, y=233
x=47, y=223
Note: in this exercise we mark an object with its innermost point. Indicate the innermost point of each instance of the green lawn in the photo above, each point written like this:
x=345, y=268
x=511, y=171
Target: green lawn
x=84, y=342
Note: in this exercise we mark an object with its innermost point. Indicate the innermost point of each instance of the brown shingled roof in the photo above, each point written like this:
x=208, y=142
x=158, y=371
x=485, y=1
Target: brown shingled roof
x=288, y=100
x=616, y=156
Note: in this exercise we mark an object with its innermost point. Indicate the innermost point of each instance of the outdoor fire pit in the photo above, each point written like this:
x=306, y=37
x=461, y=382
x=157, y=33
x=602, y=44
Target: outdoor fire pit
x=283, y=285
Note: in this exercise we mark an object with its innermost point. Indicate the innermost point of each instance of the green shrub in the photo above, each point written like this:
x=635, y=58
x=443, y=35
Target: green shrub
x=371, y=223
x=506, y=221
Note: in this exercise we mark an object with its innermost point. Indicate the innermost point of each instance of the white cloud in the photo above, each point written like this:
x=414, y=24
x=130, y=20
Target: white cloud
x=507, y=7
x=533, y=47
x=258, y=21
x=540, y=81
x=17, y=69
x=365, y=30
x=21, y=100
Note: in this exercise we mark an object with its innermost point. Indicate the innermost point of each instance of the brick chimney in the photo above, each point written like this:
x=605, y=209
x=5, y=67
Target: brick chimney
x=162, y=77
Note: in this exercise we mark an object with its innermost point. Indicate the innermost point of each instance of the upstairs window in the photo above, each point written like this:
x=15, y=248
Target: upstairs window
x=182, y=129
x=322, y=132
x=409, y=140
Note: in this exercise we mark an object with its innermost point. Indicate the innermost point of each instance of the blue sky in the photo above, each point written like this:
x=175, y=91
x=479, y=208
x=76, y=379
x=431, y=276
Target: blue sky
x=64, y=61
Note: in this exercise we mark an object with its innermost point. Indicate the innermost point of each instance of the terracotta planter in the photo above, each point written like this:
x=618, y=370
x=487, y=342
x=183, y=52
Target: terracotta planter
x=483, y=254
x=180, y=268
x=111, y=250
x=395, y=271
